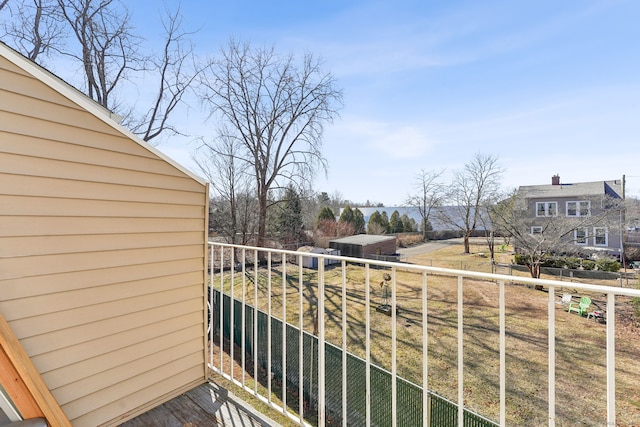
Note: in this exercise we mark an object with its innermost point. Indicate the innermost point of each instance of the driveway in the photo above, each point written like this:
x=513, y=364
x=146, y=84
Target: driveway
x=427, y=247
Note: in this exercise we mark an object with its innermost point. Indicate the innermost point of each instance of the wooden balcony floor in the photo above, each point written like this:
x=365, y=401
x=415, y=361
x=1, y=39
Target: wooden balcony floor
x=206, y=405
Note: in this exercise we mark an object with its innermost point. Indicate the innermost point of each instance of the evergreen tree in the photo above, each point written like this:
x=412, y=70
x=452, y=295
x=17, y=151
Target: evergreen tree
x=358, y=221
x=325, y=214
x=395, y=223
x=347, y=215
x=408, y=224
x=385, y=221
x=326, y=222
x=289, y=223
x=377, y=224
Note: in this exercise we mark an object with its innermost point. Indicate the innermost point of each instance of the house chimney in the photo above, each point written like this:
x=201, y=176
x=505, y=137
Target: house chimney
x=555, y=180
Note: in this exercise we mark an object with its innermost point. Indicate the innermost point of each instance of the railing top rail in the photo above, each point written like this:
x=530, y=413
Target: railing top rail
x=447, y=271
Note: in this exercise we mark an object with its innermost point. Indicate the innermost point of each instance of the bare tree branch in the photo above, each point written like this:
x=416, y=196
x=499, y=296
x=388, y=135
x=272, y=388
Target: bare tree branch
x=176, y=71
x=429, y=195
x=106, y=45
x=473, y=187
x=35, y=27
x=275, y=110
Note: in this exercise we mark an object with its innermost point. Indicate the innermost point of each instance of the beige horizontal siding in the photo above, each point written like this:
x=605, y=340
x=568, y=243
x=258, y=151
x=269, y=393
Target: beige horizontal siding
x=21, y=85
x=26, y=307
x=66, y=356
x=86, y=261
x=136, y=400
x=43, y=226
x=45, y=245
x=33, y=285
x=22, y=205
x=102, y=254
x=72, y=373
x=110, y=377
x=114, y=393
x=64, y=188
x=136, y=310
x=50, y=142
x=47, y=114
x=83, y=172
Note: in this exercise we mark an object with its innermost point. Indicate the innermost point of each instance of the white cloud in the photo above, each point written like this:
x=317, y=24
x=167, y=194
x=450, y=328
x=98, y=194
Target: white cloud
x=385, y=139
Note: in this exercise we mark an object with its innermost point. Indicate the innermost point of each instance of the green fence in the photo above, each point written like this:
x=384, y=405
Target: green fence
x=443, y=413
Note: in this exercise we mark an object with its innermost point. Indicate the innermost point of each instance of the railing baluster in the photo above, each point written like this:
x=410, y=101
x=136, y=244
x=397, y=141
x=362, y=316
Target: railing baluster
x=460, y=354
x=394, y=345
x=344, y=343
x=300, y=341
x=425, y=347
x=269, y=317
x=321, y=366
x=503, y=352
x=211, y=310
x=611, y=359
x=232, y=319
x=255, y=321
x=284, y=334
x=552, y=357
x=367, y=284
x=243, y=329
x=221, y=308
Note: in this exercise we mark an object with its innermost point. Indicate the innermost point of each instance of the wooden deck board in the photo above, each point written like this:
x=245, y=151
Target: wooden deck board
x=204, y=406
x=160, y=416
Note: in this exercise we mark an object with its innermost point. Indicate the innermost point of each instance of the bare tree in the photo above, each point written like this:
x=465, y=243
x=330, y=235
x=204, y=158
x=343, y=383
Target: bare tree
x=489, y=217
x=429, y=195
x=554, y=234
x=175, y=70
x=473, y=188
x=98, y=36
x=106, y=46
x=230, y=184
x=276, y=110
x=34, y=27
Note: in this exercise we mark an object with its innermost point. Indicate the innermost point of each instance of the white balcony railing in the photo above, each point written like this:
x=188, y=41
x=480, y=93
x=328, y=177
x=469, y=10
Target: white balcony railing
x=344, y=358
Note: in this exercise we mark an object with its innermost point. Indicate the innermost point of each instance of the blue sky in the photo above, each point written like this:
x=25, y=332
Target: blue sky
x=550, y=87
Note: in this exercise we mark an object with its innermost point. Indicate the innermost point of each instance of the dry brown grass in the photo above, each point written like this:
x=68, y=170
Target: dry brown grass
x=580, y=343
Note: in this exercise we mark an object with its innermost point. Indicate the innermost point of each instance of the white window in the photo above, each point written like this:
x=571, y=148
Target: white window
x=546, y=208
x=582, y=208
x=600, y=236
x=580, y=235
x=536, y=229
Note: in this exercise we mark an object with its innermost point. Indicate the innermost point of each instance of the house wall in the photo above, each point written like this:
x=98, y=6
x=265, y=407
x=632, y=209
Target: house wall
x=102, y=255
x=613, y=239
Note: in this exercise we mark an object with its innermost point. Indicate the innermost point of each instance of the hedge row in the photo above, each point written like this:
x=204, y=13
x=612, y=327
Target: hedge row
x=601, y=264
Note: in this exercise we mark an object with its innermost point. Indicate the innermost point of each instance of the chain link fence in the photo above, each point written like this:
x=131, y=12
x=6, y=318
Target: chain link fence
x=409, y=398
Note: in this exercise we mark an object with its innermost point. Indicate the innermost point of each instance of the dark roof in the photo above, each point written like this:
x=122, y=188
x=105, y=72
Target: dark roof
x=611, y=188
x=363, y=239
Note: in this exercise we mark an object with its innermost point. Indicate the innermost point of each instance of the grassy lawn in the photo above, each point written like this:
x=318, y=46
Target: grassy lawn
x=580, y=343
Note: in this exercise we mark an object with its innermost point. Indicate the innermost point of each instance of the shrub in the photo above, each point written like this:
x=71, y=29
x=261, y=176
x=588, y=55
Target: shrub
x=588, y=264
x=553, y=262
x=572, y=262
x=608, y=264
x=406, y=240
x=520, y=259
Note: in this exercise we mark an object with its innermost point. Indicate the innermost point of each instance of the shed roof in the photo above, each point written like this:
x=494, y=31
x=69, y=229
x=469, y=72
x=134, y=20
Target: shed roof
x=363, y=239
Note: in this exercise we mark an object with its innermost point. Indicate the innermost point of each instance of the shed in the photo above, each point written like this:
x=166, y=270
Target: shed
x=365, y=245
x=312, y=261
x=102, y=252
